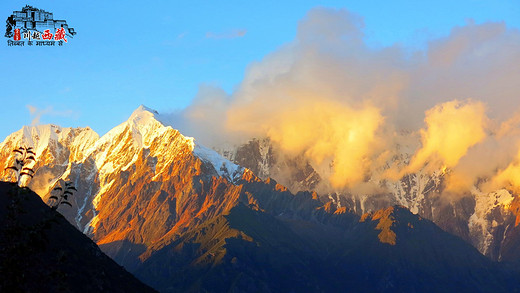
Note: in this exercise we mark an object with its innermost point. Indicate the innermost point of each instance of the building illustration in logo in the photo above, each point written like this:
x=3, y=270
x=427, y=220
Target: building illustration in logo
x=33, y=23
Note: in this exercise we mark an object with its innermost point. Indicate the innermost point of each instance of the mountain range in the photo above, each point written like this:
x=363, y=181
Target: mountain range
x=488, y=221
x=183, y=218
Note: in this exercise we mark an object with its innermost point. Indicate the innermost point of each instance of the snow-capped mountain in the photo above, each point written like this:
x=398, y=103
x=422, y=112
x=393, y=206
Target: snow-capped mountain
x=56, y=149
x=94, y=163
x=479, y=218
x=180, y=216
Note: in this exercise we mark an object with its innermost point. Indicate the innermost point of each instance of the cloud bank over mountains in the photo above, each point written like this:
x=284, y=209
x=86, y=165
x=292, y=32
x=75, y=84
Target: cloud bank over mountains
x=349, y=108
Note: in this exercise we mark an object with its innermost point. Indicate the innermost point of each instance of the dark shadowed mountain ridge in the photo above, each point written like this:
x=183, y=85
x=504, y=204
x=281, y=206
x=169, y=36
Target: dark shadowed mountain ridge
x=41, y=252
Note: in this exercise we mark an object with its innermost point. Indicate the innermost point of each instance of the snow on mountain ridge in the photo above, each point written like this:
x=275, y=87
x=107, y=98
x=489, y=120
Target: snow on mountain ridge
x=224, y=167
x=142, y=119
x=482, y=223
x=94, y=162
x=59, y=139
x=40, y=136
x=56, y=148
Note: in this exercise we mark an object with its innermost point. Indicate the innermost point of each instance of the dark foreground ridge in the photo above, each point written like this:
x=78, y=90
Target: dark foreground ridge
x=40, y=251
x=391, y=250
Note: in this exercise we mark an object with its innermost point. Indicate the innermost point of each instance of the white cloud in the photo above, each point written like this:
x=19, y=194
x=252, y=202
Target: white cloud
x=37, y=113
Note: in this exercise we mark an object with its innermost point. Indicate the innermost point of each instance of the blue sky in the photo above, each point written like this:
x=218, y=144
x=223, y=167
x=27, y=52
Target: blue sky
x=127, y=53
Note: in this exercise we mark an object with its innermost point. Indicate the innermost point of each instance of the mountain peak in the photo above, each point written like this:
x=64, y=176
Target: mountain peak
x=143, y=125
x=144, y=115
x=147, y=120
x=144, y=108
